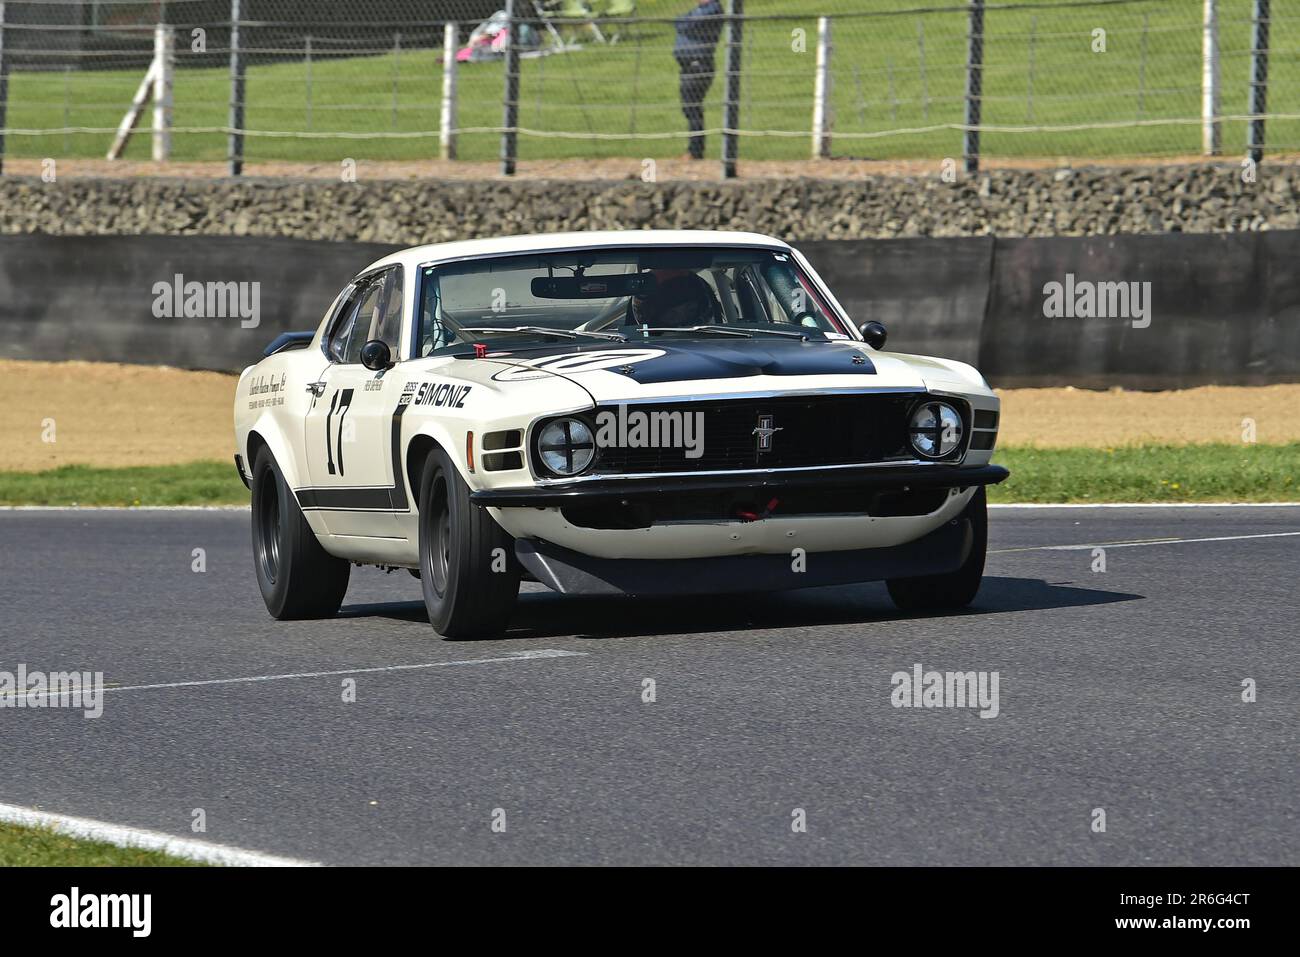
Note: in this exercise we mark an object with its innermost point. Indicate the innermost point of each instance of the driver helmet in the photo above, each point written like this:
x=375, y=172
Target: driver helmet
x=682, y=299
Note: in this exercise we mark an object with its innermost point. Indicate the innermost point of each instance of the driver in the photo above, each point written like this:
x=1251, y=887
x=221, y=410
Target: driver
x=680, y=299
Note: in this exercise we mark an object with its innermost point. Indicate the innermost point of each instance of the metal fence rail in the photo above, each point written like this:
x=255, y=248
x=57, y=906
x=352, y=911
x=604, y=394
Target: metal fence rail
x=331, y=81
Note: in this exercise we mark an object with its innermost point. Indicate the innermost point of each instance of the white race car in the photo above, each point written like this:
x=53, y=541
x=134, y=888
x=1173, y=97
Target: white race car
x=649, y=412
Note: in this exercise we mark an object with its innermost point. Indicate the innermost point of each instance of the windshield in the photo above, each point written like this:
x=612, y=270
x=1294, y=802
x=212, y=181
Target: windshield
x=632, y=294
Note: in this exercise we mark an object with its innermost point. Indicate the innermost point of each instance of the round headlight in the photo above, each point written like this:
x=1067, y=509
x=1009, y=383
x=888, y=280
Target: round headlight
x=566, y=446
x=935, y=429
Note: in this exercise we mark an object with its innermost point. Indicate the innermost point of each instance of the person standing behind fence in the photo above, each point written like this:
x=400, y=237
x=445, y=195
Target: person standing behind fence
x=697, y=35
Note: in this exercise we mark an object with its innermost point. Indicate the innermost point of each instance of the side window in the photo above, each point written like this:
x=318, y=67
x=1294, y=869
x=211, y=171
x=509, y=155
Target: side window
x=358, y=316
x=752, y=307
x=367, y=320
x=390, y=321
x=341, y=330
x=433, y=335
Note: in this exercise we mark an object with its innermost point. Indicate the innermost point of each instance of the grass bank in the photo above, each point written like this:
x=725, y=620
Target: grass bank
x=41, y=847
x=1153, y=473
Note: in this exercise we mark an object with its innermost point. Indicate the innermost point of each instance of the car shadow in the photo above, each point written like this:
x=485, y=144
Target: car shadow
x=548, y=615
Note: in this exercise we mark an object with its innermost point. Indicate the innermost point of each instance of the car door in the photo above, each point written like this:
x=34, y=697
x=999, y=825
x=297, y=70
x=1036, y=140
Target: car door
x=348, y=433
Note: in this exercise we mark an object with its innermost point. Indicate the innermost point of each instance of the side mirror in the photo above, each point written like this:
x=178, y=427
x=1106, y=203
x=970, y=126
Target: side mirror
x=874, y=334
x=375, y=355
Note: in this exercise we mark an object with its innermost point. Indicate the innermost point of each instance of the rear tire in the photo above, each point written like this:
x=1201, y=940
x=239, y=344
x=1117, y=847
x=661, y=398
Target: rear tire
x=955, y=589
x=468, y=569
x=297, y=577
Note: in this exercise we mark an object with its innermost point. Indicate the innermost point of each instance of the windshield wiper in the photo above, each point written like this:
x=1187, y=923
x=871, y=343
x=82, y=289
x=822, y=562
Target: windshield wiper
x=783, y=332
x=720, y=330
x=544, y=331
x=723, y=331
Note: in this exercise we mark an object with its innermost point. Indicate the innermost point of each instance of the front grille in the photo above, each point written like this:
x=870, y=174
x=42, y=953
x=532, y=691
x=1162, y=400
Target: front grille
x=806, y=431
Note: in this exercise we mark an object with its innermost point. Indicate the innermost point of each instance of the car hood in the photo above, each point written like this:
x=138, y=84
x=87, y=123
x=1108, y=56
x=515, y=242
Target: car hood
x=618, y=371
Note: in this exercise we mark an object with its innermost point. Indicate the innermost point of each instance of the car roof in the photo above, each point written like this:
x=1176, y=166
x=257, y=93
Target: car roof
x=548, y=242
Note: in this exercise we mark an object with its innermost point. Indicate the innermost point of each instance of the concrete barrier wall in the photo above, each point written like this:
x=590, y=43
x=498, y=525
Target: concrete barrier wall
x=931, y=294
x=94, y=297
x=1219, y=308
x=1223, y=308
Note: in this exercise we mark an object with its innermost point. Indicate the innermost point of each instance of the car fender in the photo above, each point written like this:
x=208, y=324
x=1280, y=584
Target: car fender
x=287, y=456
x=502, y=396
x=449, y=435
x=271, y=402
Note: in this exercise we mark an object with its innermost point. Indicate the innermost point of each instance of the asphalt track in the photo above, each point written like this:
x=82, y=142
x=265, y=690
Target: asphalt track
x=1118, y=690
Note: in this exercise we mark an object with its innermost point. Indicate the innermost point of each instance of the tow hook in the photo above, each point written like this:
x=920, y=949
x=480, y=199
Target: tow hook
x=756, y=516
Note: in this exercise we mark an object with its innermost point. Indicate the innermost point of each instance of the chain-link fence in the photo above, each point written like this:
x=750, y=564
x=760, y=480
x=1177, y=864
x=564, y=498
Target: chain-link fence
x=327, y=81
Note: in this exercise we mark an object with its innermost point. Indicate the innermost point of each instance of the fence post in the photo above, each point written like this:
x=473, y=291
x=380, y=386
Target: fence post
x=731, y=107
x=1033, y=43
x=236, y=94
x=306, y=54
x=510, y=117
x=1258, y=81
x=1211, y=138
x=164, y=55
x=974, y=86
x=925, y=82
x=397, y=73
x=447, y=114
x=821, y=144
x=1142, y=66
x=4, y=86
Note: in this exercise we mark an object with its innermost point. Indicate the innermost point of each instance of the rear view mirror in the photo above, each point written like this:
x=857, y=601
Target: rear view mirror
x=873, y=334
x=375, y=355
x=593, y=287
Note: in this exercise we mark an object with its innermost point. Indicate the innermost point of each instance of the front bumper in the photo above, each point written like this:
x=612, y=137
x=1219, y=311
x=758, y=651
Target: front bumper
x=911, y=477
x=573, y=573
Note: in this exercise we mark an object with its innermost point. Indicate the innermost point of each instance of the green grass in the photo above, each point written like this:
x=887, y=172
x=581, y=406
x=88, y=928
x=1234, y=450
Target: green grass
x=1161, y=473
x=41, y=847
x=1192, y=473
x=881, y=81
x=196, y=483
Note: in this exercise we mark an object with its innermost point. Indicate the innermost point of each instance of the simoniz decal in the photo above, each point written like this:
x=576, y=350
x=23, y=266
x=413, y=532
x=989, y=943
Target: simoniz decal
x=442, y=395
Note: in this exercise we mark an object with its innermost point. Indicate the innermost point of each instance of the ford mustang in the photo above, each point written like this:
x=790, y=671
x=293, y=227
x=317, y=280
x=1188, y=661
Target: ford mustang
x=636, y=413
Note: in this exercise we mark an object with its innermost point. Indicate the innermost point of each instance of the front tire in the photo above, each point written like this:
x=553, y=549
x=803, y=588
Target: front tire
x=955, y=589
x=468, y=569
x=297, y=577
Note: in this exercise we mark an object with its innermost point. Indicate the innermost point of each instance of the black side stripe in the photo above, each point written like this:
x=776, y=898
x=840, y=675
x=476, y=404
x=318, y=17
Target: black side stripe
x=329, y=439
x=346, y=499
x=398, y=491
x=345, y=403
x=365, y=498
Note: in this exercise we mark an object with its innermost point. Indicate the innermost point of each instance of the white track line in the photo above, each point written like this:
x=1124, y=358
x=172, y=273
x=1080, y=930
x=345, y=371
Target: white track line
x=1035, y=505
x=513, y=656
x=121, y=835
x=123, y=508
x=1138, y=544
x=1040, y=505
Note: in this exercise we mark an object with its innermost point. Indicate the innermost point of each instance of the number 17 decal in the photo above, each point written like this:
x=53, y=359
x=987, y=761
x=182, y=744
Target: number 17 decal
x=340, y=402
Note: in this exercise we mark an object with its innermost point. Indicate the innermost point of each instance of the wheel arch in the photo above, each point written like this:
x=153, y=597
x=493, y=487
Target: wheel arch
x=267, y=434
x=416, y=452
x=255, y=445
x=433, y=433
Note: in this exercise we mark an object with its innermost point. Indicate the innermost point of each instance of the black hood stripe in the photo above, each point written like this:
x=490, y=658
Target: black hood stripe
x=689, y=360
